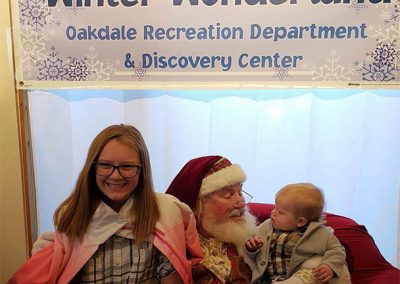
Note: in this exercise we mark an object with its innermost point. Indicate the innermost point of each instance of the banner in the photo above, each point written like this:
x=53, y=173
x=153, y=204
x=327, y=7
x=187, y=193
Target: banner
x=134, y=43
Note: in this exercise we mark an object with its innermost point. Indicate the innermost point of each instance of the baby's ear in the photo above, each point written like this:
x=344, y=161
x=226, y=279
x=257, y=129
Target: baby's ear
x=301, y=221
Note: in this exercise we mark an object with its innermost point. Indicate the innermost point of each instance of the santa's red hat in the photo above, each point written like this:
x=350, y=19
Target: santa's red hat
x=204, y=175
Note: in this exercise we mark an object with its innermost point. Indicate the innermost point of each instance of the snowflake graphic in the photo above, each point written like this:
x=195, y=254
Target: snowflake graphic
x=390, y=33
x=281, y=73
x=332, y=70
x=357, y=6
x=384, y=53
x=52, y=67
x=33, y=47
x=140, y=72
x=55, y=68
x=35, y=13
x=77, y=69
x=392, y=14
x=357, y=65
x=74, y=8
x=373, y=72
x=98, y=71
x=383, y=63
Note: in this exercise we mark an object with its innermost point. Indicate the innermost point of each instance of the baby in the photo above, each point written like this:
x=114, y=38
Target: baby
x=293, y=237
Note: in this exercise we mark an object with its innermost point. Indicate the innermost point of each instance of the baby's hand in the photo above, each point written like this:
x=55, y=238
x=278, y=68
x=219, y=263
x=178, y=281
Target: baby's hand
x=254, y=243
x=323, y=272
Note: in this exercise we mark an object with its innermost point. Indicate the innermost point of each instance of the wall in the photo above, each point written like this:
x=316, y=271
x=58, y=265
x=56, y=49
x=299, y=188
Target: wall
x=13, y=249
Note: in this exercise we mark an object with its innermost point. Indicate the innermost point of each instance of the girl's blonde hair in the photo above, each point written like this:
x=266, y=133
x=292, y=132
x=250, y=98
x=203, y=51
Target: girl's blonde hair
x=306, y=199
x=73, y=215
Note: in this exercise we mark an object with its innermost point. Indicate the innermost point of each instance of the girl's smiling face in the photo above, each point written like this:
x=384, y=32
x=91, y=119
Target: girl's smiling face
x=116, y=188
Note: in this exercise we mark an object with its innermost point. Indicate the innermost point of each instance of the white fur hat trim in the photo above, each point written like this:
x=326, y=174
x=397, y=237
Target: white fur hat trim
x=227, y=176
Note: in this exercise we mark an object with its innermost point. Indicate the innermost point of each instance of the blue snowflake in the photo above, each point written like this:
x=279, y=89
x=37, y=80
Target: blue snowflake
x=74, y=8
x=77, y=69
x=35, y=13
x=53, y=67
x=394, y=15
x=281, y=73
x=382, y=66
x=140, y=72
x=384, y=73
x=357, y=6
x=384, y=54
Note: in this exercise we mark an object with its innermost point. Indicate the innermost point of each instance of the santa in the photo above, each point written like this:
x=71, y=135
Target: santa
x=212, y=187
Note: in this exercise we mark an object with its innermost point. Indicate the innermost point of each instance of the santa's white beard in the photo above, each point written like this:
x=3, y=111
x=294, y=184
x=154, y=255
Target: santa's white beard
x=236, y=232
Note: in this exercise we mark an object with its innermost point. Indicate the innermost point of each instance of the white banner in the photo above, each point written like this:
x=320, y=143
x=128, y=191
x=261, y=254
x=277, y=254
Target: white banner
x=207, y=42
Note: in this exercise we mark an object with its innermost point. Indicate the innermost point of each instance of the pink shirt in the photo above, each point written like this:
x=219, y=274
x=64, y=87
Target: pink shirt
x=175, y=236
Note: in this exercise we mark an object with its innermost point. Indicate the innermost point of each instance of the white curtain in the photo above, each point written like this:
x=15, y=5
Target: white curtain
x=346, y=142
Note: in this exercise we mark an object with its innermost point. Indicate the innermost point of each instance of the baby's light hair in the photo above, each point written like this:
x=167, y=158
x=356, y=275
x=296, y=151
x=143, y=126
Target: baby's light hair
x=306, y=200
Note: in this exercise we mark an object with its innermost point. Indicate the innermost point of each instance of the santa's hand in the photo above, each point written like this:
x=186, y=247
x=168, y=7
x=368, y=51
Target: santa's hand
x=323, y=272
x=254, y=243
x=44, y=240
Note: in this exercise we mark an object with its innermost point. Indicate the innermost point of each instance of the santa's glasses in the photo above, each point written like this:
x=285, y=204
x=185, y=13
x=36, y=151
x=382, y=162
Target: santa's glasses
x=233, y=194
x=246, y=196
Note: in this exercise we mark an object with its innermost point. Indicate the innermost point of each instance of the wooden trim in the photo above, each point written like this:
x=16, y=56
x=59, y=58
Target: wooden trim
x=27, y=169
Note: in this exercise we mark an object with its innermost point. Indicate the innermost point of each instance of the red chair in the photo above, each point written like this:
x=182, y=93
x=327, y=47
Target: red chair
x=366, y=263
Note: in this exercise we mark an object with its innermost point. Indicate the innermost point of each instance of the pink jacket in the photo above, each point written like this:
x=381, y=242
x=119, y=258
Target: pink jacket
x=175, y=236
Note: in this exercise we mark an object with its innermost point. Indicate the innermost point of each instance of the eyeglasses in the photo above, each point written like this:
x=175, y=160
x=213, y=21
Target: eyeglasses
x=126, y=170
x=247, y=196
x=229, y=194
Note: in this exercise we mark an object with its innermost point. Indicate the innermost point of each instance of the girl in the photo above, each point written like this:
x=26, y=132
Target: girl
x=113, y=228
